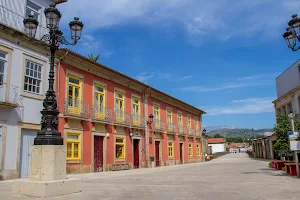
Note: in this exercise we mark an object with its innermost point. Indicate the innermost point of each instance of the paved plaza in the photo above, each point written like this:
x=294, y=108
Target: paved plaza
x=230, y=177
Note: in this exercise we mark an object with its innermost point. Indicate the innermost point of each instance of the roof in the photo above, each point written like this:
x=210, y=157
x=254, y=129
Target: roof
x=238, y=144
x=131, y=79
x=215, y=140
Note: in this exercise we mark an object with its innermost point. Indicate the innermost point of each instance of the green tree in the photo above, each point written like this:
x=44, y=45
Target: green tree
x=281, y=129
x=94, y=58
x=218, y=136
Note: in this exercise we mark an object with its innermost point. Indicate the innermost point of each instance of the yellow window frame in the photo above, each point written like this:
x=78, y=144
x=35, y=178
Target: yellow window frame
x=73, y=108
x=198, y=150
x=136, y=116
x=156, y=113
x=120, y=113
x=171, y=149
x=100, y=112
x=169, y=119
x=196, y=124
x=180, y=121
x=122, y=144
x=190, y=150
x=189, y=122
x=71, y=143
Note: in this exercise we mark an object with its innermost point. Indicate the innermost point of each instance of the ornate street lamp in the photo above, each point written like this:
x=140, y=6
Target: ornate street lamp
x=49, y=134
x=292, y=33
x=204, y=132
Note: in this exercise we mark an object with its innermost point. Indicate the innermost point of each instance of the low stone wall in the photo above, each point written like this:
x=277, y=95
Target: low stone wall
x=219, y=154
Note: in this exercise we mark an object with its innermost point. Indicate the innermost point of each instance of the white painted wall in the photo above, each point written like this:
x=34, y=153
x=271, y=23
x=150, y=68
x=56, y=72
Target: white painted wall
x=32, y=107
x=13, y=13
x=288, y=80
x=217, y=147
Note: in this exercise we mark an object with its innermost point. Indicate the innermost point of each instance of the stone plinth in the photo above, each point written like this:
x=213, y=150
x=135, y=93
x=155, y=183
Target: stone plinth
x=47, y=174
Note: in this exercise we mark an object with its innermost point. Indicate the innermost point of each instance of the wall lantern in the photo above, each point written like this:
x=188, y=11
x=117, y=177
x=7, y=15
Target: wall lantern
x=204, y=132
x=150, y=119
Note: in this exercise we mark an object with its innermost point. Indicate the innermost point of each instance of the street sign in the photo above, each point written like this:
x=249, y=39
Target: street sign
x=294, y=141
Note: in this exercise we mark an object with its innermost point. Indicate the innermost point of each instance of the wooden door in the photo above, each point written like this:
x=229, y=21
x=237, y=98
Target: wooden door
x=98, y=153
x=157, y=153
x=180, y=149
x=136, y=156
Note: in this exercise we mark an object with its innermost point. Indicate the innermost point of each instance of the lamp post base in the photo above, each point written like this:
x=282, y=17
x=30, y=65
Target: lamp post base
x=48, y=138
x=47, y=174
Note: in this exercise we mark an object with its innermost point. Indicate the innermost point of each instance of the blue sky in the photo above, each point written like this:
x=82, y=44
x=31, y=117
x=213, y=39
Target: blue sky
x=221, y=56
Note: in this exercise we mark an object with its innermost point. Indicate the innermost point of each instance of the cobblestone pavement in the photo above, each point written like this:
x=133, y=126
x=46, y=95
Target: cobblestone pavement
x=230, y=177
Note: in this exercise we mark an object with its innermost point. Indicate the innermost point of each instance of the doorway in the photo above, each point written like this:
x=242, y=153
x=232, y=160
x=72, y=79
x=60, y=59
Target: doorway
x=180, y=151
x=136, y=154
x=98, y=153
x=157, y=153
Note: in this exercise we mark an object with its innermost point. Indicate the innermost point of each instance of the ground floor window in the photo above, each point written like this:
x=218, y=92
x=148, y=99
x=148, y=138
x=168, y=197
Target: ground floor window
x=120, y=148
x=73, y=146
x=171, y=149
x=198, y=150
x=190, y=150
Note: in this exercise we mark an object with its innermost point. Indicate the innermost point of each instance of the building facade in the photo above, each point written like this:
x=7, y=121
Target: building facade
x=106, y=125
x=23, y=81
x=263, y=147
x=217, y=145
x=288, y=91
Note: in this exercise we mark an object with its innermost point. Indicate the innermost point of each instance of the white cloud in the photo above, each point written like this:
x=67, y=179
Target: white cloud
x=144, y=76
x=184, y=78
x=221, y=19
x=259, y=76
x=243, y=106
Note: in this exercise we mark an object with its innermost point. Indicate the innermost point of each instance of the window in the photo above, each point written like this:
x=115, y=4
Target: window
x=99, y=101
x=73, y=146
x=33, y=9
x=120, y=148
x=33, y=77
x=190, y=150
x=283, y=110
x=196, y=124
x=135, y=110
x=278, y=111
x=156, y=116
x=180, y=122
x=119, y=106
x=74, y=96
x=189, y=122
x=169, y=119
x=198, y=150
x=289, y=108
x=3, y=63
x=171, y=149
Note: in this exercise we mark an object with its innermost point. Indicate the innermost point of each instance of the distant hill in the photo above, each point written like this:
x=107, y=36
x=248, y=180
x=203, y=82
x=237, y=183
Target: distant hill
x=236, y=132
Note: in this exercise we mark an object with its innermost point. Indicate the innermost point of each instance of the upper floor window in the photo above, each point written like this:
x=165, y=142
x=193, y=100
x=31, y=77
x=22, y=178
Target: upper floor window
x=283, y=110
x=196, y=124
x=189, y=122
x=74, y=94
x=3, y=63
x=33, y=9
x=180, y=122
x=169, y=116
x=99, y=94
x=136, y=111
x=33, y=77
x=156, y=112
x=278, y=111
x=289, y=108
x=119, y=101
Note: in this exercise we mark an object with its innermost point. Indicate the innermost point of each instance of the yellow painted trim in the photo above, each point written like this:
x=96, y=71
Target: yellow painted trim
x=78, y=141
x=172, y=148
x=123, y=149
x=191, y=150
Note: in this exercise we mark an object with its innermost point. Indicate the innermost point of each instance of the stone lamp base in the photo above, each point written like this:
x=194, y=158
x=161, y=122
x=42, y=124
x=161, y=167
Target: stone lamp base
x=47, y=175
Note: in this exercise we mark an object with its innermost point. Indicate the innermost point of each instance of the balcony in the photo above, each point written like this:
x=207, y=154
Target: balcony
x=15, y=21
x=9, y=96
x=185, y=131
x=197, y=133
x=191, y=132
x=77, y=109
x=102, y=114
x=158, y=125
x=137, y=121
x=171, y=128
x=122, y=118
x=180, y=130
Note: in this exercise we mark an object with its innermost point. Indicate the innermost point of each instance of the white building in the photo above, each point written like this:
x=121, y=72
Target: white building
x=24, y=70
x=288, y=90
x=217, y=144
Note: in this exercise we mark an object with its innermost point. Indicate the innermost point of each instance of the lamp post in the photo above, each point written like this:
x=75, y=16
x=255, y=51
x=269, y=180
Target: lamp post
x=49, y=134
x=292, y=33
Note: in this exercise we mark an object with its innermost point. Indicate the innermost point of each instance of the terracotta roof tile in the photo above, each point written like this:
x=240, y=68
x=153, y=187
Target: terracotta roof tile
x=215, y=140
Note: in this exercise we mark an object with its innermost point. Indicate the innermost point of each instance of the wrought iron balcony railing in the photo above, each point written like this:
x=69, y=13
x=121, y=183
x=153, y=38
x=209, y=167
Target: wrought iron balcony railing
x=121, y=117
x=9, y=95
x=171, y=128
x=15, y=21
x=76, y=108
x=101, y=113
x=137, y=120
x=180, y=129
x=197, y=133
x=191, y=132
x=185, y=131
x=158, y=125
